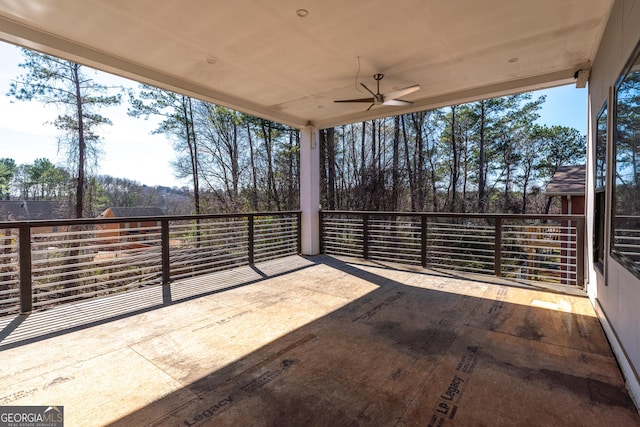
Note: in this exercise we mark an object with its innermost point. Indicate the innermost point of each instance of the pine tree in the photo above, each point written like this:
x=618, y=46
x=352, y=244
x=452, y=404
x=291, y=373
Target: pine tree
x=78, y=97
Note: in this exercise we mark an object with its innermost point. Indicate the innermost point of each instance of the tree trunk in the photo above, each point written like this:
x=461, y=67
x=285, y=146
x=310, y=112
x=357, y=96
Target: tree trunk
x=235, y=164
x=81, y=144
x=271, y=183
x=481, y=162
x=465, y=172
x=290, y=170
x=507, y=189
x=412, y=183
x=331, y=168
x=547, y=207
x=324, y=187
x=370, y=195
x=254, y=172
x=193, y=150
x=418, y=122
x=455, y=163
x=395, y=165
x=525, y=185
x=363, y=168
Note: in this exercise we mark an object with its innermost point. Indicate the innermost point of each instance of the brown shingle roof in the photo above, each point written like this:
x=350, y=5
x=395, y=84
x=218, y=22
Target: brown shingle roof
x=133, y=212
x=29, y=210
x=567, y=181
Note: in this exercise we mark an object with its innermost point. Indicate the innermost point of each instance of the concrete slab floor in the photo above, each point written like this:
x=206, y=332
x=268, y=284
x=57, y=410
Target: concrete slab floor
x=320, y=342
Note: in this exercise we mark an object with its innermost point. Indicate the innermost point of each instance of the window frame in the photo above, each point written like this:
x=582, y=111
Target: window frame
x=625, y=261
x=600, y=189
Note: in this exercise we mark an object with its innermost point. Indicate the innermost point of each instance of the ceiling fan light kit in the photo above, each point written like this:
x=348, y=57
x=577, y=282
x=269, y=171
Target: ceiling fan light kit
x=388, y=98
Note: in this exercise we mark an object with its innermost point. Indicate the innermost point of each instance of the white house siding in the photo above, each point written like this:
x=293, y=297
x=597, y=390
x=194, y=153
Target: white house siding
x=616, y=297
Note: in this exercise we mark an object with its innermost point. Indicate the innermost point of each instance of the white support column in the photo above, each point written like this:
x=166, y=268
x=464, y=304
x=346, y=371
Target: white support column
x=310, y=190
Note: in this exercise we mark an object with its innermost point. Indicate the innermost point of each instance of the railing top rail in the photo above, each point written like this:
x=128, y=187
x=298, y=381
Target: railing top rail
x=89, y=221
x=564, y=217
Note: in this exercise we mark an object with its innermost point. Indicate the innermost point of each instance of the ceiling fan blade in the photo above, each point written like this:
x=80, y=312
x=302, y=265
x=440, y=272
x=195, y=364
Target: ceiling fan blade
x=397, y=102
x=389, y=98
x=401, y=92
x=368, y=90
x=356, y=100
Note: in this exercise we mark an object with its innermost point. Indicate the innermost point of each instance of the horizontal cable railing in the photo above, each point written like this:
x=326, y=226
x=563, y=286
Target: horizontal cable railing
x=344, y=236
x=626, y=241
x=48, y=263
x=207, y=245
x=460, y=244
x=9, y=277
x=89, y=260
x=275, y=237
x=547, y=248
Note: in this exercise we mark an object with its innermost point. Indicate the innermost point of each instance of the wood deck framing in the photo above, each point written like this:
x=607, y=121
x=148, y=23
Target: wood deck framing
x=320, y=342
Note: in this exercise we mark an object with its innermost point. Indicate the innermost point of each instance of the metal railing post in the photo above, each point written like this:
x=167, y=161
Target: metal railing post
x=423, y=240
x=580, y=252
x=497, y=250
x=299, y=233
x=166, y=263
x=26, y=291
x=320, y=231
x=250, y=218
x=365, y=236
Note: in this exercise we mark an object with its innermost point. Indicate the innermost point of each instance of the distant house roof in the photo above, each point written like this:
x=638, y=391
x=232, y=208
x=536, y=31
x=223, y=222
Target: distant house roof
x=29, y=210
x=568, y=181
x=131, y=212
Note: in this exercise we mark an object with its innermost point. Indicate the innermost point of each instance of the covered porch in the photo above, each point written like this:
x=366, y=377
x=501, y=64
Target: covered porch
x=336, y=341
x=321, y=341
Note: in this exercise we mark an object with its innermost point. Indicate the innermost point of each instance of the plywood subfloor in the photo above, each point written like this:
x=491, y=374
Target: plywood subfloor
x=320, y=342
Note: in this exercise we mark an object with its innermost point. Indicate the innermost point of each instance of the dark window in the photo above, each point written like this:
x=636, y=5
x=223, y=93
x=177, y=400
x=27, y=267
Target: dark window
x=600, y=190
x=626, y=204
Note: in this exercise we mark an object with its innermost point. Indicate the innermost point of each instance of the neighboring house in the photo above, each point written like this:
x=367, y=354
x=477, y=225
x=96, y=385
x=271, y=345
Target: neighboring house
x=135, y=230
x=34, y=210
x=568, y=183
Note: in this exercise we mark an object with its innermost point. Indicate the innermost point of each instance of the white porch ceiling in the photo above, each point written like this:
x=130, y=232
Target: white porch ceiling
x=270, y=62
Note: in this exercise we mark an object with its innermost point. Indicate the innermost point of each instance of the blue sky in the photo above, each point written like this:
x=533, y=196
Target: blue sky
x=130, y=151
x=565, y=106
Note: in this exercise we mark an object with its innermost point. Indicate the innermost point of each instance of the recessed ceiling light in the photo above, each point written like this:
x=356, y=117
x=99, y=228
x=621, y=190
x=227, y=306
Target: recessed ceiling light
x=302, y=13
x=514, y=59
x=211, y=60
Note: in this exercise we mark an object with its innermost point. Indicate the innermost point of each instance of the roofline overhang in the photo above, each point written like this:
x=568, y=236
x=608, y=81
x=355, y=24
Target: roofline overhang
x=31, y=38
x=562, y=194
x=26, y=36
x=494, y=90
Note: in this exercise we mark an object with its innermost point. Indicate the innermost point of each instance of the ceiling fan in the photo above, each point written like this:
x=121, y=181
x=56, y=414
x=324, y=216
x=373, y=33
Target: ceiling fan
x=389, y=98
